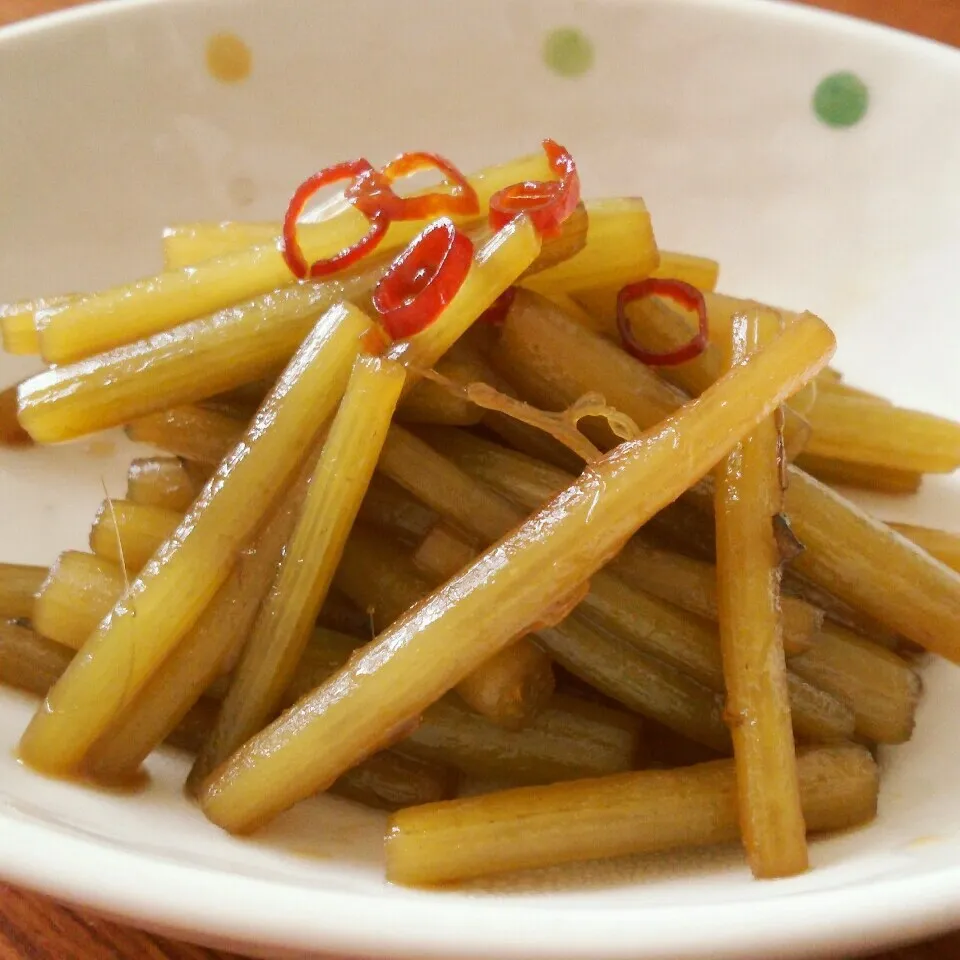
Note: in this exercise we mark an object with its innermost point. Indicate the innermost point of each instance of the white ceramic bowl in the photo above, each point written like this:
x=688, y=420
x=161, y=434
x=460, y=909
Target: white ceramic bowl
x=112, y=127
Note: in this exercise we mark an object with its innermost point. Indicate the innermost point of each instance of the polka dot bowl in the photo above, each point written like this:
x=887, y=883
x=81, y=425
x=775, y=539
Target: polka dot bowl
x=815, y=157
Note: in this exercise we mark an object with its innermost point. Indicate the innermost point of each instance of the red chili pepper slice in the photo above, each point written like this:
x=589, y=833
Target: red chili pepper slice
x=423, y=279
x=681, y=293
x=548, y=203
x=290, y=247
x=374, y=190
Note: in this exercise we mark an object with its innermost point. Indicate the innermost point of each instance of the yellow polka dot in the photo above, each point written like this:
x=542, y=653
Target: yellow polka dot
x=228, y=58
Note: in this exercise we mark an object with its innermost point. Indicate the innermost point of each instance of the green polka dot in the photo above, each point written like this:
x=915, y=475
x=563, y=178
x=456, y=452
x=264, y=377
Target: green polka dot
x=841, y=99
x=568, y=52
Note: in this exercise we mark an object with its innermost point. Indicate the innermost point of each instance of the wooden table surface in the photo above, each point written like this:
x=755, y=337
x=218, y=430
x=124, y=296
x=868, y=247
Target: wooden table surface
x=34, y=928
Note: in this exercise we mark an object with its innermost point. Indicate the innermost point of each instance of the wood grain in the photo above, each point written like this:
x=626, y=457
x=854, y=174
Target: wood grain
x=35, y=928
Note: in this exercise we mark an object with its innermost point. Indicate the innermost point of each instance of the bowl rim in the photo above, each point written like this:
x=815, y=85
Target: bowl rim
x=289, y=918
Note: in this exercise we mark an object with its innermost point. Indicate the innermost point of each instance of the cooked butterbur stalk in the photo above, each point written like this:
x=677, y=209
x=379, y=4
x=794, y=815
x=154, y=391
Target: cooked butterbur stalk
x=388, y=505
x=209, y=649
x=643, y=812
x=607, y=663
x=19, y=585
x=872, y=568
x=174, y=589
x=620, y=248
x=18, y=325
x=435, y=645
x=248, y=341
x=28, y=661
x=942, y=544
x=600, y=303
x=663, y=631
x=567, y=740
x=661, y=327
x=659, y=629
x=11, y=433
x=853, y=556
x=161, y=482
x=864, y=431
x=386, y=781
x=78, y=592
x=285, y=621
x=860, y=476
x=432, y=402
x=182, y=366
x=683, y=581
x=442, y=486
x=508, y=688
x=196, y=434
x=187, y=244
x=129, y=533
x=121, y=315
x=391, y=781
x=553, y=363
x=881, y=688
x=748, y=500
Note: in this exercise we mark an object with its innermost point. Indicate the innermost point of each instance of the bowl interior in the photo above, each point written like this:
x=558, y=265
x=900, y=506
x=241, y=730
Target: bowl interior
x=113, y=126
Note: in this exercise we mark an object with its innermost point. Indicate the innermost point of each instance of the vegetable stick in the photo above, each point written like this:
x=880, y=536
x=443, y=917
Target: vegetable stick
x=881, y=688
x=942, y=544
x=431, y=402
x=387, y=781
x=18, y=323
x=209, y=649
x=568, y=739
x=860, y=476
x=659, y=629
x=447, y=490
x=863, y=431
x=620, y=247
x=509, y=688
x=30, y=662
x=171, y=593
x=187, y=244
x=874, y=571
x=161, y=482
x=129, y=533
x=436, y=644
x=551, y=371
x=202, y=436
x=683, y=581
x=19, y=585
x=654, y=810
x=387, y=505
x=747, y=501
x=700, y=272
x=247, y=341
x=600, y=302
x=130, y=312
x=285, y=621
x=873, y=568
x=661, y=327
x=11, y=433
x=607, y=663
x=79, y=591
x=390, y=781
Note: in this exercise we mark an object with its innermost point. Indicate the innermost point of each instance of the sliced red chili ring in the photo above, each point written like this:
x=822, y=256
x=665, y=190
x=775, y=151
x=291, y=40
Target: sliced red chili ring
x=548, y=203
x=423, y=279
x=681, y=293
x=290, y=246
x=374, y=190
